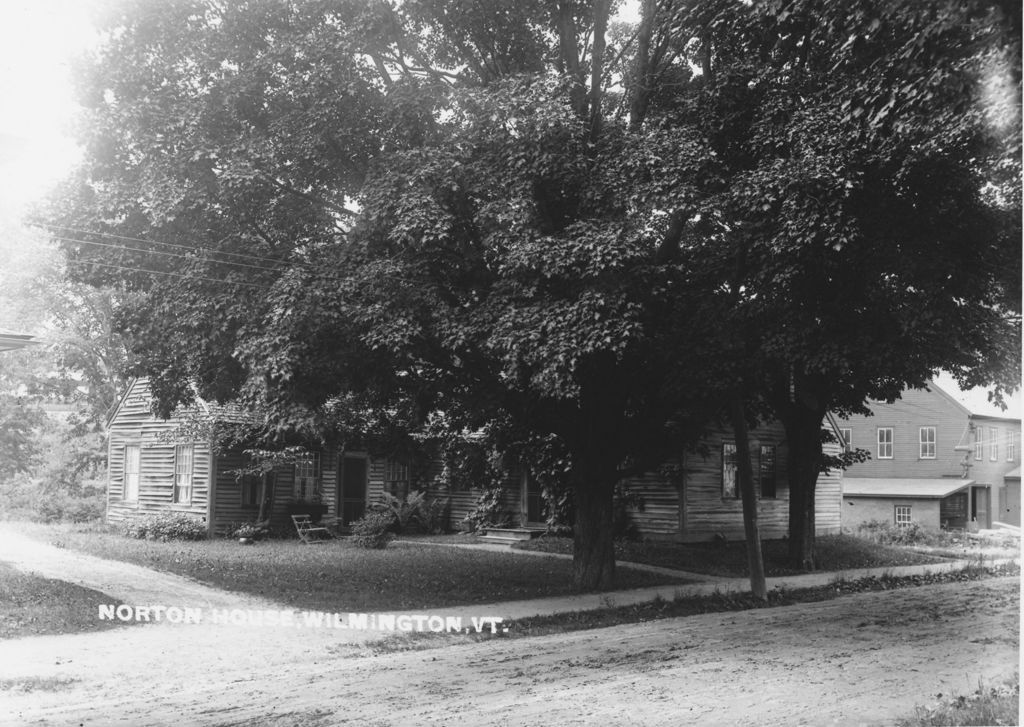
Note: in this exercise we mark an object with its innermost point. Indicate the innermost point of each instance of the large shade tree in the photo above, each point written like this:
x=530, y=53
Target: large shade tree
x=527, y=213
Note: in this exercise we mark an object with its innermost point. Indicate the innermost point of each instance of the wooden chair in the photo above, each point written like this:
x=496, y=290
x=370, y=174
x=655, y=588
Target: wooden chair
x=310, y=532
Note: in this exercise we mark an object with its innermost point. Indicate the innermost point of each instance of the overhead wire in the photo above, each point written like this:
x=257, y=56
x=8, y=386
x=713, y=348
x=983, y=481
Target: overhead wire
x=283, y=265
x=167, y=272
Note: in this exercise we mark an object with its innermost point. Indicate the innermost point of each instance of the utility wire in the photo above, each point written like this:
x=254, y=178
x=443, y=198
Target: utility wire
x=164, y=272
x=249, y=256
x=166, y=254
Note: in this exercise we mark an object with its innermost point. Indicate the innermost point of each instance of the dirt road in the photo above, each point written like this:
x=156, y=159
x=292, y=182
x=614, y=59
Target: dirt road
x=862, y=659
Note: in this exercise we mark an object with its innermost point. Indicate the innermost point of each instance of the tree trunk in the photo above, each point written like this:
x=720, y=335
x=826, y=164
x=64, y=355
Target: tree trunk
x=266, y=497
x=593, y=562
x=745, y=475
x=803, y=431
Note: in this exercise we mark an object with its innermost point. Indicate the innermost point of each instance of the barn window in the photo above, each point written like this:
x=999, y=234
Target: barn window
x=902, y=516
x=847, y=443
x=132, y=465
x=927, y=442
x=729, y=488
x=396, y=479
x=1011, y=446
x=183, y=458
x=251, y=491
x=767, y=470
x=307, y=476
x=993, y=444
x=885, y=443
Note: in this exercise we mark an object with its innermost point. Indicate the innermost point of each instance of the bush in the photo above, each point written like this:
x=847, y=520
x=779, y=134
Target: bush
x=25, y=498
x=415, y=513
x=403, y=513
x=250, y=530
x=167, y=526
x=489, y=510
x=373, y=530
x=434, y=514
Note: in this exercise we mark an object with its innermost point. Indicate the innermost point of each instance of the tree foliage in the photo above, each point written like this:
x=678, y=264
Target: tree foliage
x=540, y=221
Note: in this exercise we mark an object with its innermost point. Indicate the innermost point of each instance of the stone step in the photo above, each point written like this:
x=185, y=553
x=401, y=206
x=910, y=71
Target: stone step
x=511, y=535
x=498, y=540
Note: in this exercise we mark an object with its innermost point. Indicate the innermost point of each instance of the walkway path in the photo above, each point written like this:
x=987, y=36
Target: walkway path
x=121, y=581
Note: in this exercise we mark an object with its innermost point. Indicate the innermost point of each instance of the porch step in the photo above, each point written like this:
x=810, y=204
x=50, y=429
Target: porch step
x=509, y=536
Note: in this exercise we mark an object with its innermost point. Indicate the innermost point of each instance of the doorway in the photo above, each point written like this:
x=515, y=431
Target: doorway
x=533, y=497
x=352, y=488
x=979, y=507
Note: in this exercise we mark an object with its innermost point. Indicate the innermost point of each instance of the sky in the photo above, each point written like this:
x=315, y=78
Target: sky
x=38, y=42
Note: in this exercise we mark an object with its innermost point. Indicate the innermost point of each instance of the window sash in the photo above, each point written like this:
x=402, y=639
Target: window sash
x=993, y=444
x=396, y=478
x=902, y=515
x=184, y=459
x=250, y=491
x=1011, y=447
x=132, y=470
x=979, y=443
x=767, y=471
x=885, y=442
x=927, y=440
x=307, y=476
x=730, y=490
x=847, y=442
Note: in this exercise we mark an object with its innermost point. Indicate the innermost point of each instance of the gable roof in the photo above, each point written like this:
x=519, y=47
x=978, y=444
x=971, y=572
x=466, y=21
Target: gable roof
x=227, y=413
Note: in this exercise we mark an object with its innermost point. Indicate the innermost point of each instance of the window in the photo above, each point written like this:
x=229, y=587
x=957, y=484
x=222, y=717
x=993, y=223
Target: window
x=396, y=479
x=251, y=491
x=729, y=488
x=902, y=516
x=993, y=444
x=847, y=443
x=1011, y=446
x=183, y=456
x=885, y=443
x=132, y=465
x=767, y=470
x=307, y=476
x=927, y=440
x=979, y=443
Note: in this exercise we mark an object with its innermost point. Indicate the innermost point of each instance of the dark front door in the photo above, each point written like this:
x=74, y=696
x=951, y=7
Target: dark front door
x=979, y=507
x=353, y=488
x=534, y=501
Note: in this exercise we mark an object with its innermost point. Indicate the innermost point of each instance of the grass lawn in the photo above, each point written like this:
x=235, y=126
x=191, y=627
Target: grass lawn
x=986, y=706
x=834, y=553
x=337, y=576
x=32, y=606
x=681, y=606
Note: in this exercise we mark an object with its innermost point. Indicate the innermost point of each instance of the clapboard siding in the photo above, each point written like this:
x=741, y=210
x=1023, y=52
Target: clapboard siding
x=134, y=424
x=828, y=498
x=953, y=424
x=707, y=514
x=657, y=514
x=688, y=507
x=227, y=507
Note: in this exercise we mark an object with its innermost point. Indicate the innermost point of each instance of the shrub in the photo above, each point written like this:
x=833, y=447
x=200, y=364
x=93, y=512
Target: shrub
x=434, y=514
x=167, y=526
x=373, y=530
x=415, y=513
x=250, y=530
x=403, y=513
x=885, y=533
x=489, y=510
